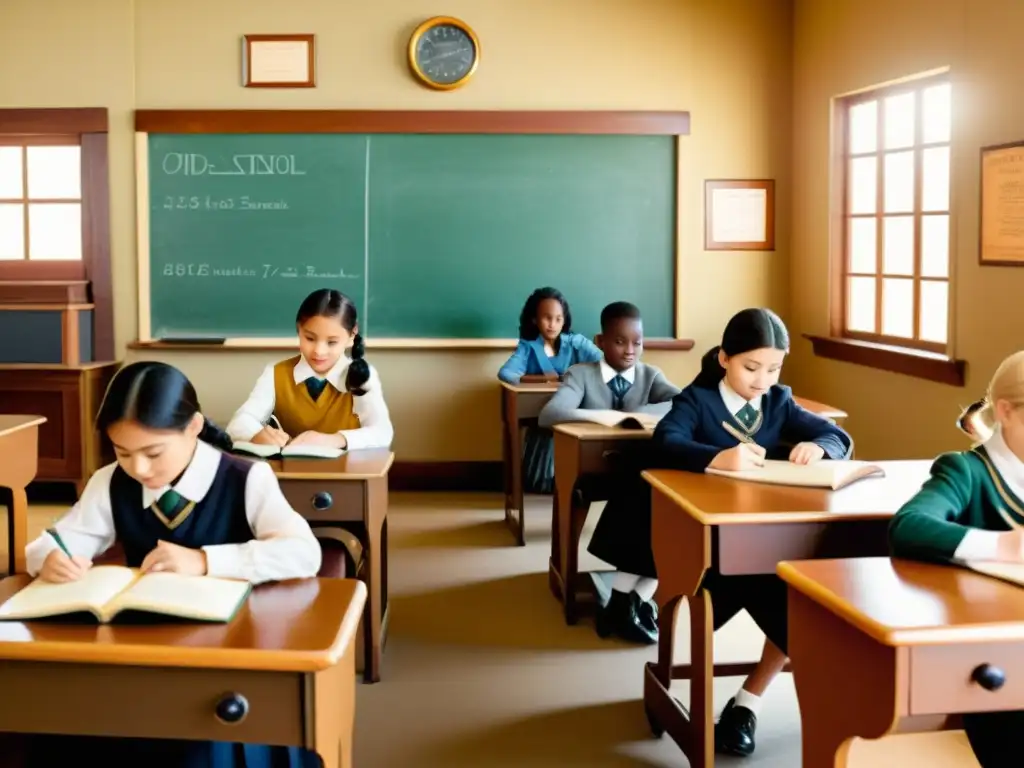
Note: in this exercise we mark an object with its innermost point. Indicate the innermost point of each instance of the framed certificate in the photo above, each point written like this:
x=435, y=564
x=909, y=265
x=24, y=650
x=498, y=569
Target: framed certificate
x=278, y=61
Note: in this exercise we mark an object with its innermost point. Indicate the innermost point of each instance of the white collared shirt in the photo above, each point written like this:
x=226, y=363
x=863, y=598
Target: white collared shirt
x=608, y=373
x=984, y=545
x=284, y=547
x=733, y=402
x=375, y=430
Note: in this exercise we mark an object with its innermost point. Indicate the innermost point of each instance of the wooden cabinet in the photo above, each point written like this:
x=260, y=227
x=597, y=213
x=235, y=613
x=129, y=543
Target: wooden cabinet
x=69, y=397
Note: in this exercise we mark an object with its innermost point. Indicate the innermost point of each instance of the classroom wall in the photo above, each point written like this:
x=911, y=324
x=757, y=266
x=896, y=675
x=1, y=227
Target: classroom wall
x=843, y=45
x=726, y=61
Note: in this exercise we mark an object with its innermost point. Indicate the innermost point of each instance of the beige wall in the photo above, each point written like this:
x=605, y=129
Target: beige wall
x=726, y=61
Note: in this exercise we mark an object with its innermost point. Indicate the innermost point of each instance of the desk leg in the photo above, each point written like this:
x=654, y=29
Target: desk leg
x=376, y=565
x=566, y=525
x=19, y=462
x=331, y=697
x=17, y=531
x=847, y=684
x=512, y=453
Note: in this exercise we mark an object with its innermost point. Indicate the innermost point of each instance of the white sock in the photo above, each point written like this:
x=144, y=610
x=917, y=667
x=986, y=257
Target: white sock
x=646, y=587
x=624, y=582
x=750, y=701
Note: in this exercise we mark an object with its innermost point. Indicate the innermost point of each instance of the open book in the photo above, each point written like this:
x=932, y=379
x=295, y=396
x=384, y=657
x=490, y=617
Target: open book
x=294, y=451
x=107, y=590
x=821, y=474
x=620, y=418
x=1012, y=572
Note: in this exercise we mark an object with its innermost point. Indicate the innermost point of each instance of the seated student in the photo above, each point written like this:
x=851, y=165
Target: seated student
x=547, y=347
x=327, y=395
x=618, y=382
x=175, y=503
x=737, y=385
x=972, y=508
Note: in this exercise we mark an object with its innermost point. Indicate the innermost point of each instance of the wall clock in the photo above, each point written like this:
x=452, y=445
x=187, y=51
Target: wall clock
x=444, y=53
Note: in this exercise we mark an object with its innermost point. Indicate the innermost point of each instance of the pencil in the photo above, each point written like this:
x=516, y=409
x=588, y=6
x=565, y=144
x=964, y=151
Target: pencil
x=737, y=434
x=59, y=540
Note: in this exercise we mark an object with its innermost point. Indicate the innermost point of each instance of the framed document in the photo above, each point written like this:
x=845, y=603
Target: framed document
x=739, y=215
x=278, y=61
x=1002, y=205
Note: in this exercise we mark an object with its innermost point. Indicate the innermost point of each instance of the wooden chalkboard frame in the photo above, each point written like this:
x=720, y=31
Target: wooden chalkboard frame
x=583, y=122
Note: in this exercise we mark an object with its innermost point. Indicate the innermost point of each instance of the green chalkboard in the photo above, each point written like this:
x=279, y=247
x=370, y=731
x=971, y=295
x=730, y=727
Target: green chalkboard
x=434, y=236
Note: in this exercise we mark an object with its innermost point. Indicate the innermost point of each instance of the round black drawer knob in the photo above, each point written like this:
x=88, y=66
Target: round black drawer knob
x=232, y=708
x=989, y=677
x=322, y=500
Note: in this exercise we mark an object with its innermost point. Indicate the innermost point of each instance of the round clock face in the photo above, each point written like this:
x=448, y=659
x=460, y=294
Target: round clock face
x=445, y=54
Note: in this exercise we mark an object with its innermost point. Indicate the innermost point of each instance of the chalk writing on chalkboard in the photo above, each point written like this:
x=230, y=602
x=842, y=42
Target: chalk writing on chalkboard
x=208, y=203
x=262, y=272
x=194, y=164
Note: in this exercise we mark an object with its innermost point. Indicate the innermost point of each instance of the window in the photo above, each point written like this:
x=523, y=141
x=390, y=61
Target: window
x=895, y=233
x=40, y=198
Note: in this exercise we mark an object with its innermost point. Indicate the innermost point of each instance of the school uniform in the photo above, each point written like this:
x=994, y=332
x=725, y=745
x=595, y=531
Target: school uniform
x=530, y=359
x=303, y=401
x=969, y=499
x=235, y=512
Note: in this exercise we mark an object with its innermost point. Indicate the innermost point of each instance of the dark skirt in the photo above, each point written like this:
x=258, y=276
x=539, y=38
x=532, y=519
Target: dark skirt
x=52, y=751
x=763, y=596
x=538, y=460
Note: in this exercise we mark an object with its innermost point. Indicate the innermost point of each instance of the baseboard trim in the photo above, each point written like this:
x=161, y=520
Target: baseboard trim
x=486, y=476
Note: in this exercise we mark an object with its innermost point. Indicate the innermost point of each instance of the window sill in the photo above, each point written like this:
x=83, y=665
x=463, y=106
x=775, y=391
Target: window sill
x=910, y=362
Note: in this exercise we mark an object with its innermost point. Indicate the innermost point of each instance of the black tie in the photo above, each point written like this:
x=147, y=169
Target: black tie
x=619, y=387
x=315, y=386
x=747, y=415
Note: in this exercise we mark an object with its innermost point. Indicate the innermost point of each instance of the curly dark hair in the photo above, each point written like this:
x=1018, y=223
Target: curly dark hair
x=528, y=317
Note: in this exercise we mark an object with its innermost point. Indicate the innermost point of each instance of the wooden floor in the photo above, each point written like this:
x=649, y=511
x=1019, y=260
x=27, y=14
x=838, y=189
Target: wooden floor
x=480, y=670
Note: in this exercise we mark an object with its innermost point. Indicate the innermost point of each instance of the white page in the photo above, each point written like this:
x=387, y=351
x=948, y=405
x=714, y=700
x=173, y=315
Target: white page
x=201, y=597
x=41, y=598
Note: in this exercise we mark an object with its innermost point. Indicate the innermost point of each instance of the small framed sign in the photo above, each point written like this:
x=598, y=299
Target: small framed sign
x=278, y=61
x=739, y=215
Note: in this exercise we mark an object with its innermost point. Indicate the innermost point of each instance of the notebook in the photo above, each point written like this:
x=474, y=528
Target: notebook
x=621, y=418
x=1012, y=572
x=821, y=474
x=107, y=590
x=293, y=451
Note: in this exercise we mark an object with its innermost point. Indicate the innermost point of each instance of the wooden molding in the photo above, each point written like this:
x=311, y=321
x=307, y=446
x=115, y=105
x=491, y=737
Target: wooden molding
x=54, y=121
x=448, y=345
x=38, y=292
x=930, y=366
x=410, y=121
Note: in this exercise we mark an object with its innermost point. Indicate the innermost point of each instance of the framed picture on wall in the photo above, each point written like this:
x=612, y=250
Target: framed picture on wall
x=278, y=61
x=739, y=215
x=1002, y=205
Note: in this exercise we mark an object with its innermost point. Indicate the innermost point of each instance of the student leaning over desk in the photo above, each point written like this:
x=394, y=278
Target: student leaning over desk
x=972, y=508
x=176, y=504
x=326, y=395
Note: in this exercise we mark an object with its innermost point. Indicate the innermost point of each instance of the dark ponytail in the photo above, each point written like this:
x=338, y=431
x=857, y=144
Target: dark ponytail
x=157, y=396
x=327, y=302
x=711, y=370
x=747, y=330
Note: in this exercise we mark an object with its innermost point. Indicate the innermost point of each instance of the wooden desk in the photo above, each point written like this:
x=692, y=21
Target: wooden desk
x=744, y=528
x=350, y=492
x=289, y=653
x=582, y=449
x=19, y=462
x=918, y=632
x=520, y=406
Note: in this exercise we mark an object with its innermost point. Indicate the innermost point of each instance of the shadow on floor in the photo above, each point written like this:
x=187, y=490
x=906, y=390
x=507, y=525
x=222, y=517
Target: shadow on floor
x=486, y=534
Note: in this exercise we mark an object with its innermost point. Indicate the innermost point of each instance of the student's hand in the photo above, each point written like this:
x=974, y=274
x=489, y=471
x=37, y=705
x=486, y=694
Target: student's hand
x=336, y=440
x=172, y=558
x=60, y=569
x=271, y=436
x=1010, y=546
x=742, y=456
x=806, y=453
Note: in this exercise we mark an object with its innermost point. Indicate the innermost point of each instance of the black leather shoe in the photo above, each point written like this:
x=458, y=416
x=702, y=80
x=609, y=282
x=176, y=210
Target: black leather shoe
x=621, y=617
x=648, y=615
x=734, y=731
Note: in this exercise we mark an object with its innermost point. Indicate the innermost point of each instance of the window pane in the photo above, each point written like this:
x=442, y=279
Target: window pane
x=10, y=173
x=935, y=246
x=936, y=111
x=863, y=127
x=899, y=182
x=898, y=307
x=55, y=231
x=863, y=184
x=860, y=305
x=899, y=121
x=12, y=231
x=935, y=179
x=54, y=173
x=862, y=246
x=898, y=245
x=934, y=310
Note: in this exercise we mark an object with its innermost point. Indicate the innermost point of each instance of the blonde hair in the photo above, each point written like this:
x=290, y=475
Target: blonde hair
x=978, y=420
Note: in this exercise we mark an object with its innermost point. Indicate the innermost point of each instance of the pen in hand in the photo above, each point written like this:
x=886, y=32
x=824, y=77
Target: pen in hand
x=60, y=542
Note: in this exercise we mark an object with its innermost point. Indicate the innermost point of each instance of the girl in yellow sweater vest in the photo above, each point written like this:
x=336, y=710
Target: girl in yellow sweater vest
x=327, y=395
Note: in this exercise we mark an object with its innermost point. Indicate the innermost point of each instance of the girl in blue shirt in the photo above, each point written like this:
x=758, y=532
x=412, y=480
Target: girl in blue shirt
x=547, y=347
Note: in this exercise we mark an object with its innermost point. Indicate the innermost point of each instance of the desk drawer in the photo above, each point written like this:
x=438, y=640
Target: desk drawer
x=162, y=703
x=325, y=500
x=941, y=678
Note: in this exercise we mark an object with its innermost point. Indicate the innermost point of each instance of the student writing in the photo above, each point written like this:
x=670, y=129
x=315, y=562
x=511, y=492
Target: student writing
x=175, y=503
x=972, y=508
x=327, y=395
x=737, y=385
x=547, y=348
